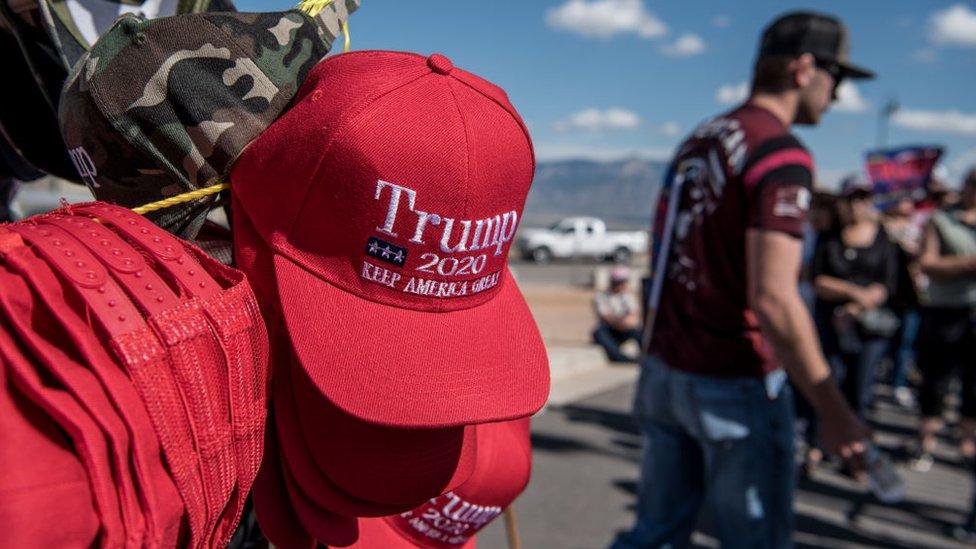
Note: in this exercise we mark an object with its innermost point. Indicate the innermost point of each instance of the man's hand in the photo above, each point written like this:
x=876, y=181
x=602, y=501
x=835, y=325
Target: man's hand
x=773, y=261
x=844, y=434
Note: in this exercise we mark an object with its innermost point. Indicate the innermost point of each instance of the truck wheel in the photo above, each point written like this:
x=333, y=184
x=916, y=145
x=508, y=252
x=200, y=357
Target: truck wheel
x=541, y=254
x=621, y=255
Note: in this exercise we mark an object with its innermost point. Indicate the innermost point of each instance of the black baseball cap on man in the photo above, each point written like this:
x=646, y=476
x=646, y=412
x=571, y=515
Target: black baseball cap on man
x=818, y=34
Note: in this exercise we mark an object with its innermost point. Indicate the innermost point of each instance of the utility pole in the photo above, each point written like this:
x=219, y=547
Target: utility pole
x=884, y=118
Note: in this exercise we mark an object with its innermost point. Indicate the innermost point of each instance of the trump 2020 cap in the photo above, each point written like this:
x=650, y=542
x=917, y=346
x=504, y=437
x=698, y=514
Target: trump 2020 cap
x=399, y=181
x=452, y=519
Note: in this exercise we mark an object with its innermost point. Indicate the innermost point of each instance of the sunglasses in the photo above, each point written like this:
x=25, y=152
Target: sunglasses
x=833, y=69
x=858, y=196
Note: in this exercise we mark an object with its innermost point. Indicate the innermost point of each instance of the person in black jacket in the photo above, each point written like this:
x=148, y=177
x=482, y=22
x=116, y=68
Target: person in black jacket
x=855, y=271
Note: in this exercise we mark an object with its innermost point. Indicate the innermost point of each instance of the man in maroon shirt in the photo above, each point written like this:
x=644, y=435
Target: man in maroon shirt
x=726, y=320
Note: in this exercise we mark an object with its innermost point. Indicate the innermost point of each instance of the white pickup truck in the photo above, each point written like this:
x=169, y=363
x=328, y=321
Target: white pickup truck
x=580, y=237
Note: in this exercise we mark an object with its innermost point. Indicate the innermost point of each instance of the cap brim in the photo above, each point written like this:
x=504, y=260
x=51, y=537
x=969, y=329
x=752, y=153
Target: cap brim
x=855, y=72
x=407, y=368
x=272, y=505
x=503, y=470
x=324, y=525
x=296, y=457
x=382, y=464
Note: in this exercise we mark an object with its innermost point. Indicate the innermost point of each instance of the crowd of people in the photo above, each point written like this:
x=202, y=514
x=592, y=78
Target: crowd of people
x=772, y=308
x=892, y=282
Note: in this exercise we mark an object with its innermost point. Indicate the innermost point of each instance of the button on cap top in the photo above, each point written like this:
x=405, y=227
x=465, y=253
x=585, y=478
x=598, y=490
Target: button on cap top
x=440, y=64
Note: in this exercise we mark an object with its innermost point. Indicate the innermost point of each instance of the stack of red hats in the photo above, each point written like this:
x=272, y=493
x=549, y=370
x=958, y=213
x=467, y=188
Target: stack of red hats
x=374, y=220
x=133, y=386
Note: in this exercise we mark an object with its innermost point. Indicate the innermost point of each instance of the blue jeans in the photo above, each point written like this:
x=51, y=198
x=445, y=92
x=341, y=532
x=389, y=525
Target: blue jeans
x=722, y=443
x=611, y=340
x=903, y=348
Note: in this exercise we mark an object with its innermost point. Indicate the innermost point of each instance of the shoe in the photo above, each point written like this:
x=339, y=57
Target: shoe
x=966, y=534
x=904, y=397
x=921, y=462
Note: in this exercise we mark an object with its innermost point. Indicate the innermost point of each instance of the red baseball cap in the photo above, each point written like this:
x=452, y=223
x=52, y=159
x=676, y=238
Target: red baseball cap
x=37, y=330
x=451, y=520
x=400, y=464
x=272, y=505
x=399, y=182
x=378, y=463
x=162, y=502
x=46, y=470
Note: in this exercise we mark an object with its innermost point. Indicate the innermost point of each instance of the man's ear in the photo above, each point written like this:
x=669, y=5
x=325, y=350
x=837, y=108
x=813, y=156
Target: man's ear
x=804, y=69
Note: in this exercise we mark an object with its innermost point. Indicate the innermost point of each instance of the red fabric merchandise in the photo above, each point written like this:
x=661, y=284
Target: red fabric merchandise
x=46, y=471
x=399, y=181
x=86, y=438
x=366, y=478
x=186, y=330
x=161, y=501
x=318, y=488
x=379, y=463
x=233, y=315
x=742, y=170
x=197, y=357
x=454, y=518
x=324, y=525
x=272, y=504
x=138, y=347
x=37, y=330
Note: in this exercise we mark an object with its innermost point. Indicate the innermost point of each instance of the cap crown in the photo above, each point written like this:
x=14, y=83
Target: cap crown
x=164, y=106
x=797, y=33
x=398, y=178
x=501, y=473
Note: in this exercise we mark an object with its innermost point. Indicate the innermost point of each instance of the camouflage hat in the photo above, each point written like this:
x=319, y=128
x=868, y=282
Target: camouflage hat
x=161, y=107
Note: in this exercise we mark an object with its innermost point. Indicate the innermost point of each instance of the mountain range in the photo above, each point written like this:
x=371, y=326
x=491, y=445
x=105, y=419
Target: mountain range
x=621, y=192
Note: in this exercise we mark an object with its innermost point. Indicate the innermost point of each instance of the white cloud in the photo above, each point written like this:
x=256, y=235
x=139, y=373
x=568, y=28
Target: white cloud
x=721, y=21
x=849, y=99
x=954, y=26
x=596, y=119
x=732, y=93
x=951, y=121
x=670, y=129
x=606, y=18
x=546, y=152
x=685, y=46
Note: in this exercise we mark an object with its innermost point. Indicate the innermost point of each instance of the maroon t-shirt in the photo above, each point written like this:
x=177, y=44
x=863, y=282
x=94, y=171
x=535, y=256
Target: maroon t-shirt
x=739, y=171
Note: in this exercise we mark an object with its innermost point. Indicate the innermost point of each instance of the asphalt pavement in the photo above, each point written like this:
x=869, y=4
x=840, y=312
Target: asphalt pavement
x=585, y=478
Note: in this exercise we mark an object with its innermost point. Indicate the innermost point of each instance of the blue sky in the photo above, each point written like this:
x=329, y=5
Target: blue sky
x=608, y=78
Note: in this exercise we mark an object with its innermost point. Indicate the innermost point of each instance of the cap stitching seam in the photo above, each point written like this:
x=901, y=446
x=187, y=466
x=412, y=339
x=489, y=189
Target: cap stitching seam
x=515, y=117
x=467, y=148
x=340, y=130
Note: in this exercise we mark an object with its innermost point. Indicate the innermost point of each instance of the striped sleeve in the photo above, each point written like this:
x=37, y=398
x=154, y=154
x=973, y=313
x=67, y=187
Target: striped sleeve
x=778, y=177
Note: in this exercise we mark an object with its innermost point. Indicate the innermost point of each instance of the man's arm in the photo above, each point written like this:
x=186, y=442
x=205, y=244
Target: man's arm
x=936, y=265
x=831, y=288
x=773, y=265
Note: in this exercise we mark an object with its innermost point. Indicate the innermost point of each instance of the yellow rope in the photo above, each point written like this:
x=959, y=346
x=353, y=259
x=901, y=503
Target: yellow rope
x=313, y=7
x=181, y=198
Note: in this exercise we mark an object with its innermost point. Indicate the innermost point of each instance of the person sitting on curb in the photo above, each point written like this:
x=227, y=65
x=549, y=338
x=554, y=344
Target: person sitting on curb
x=618, y=315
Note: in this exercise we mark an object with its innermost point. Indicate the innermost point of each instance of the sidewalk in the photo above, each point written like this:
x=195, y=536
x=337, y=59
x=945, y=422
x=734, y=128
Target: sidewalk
x=587, y=451
x=585, y=478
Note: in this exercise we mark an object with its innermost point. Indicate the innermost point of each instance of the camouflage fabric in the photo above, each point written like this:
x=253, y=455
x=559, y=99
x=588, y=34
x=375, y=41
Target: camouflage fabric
x=160, y=107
